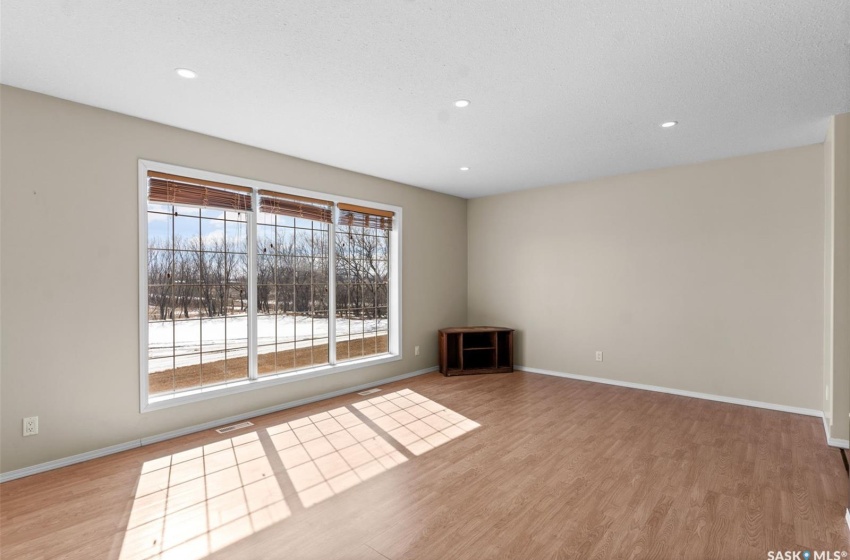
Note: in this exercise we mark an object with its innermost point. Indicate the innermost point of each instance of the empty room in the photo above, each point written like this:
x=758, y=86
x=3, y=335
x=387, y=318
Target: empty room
x=414, y=280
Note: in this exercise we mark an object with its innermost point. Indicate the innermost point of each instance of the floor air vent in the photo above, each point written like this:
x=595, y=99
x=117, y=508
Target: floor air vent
x=368, y=392
x=234, y=427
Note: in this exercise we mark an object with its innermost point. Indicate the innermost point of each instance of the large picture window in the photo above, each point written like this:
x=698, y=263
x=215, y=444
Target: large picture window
x=249, y=283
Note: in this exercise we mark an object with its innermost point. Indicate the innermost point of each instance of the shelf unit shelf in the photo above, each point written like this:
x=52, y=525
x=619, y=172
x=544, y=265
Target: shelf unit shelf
x=472, y=350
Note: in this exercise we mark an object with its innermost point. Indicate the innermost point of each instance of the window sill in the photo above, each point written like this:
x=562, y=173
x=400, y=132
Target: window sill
x=195, y=395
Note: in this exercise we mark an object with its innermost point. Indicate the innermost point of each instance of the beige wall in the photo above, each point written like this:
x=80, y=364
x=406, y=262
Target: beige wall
x=69, y=213
x=828, y=270
x=837, y=275
x=704, y=277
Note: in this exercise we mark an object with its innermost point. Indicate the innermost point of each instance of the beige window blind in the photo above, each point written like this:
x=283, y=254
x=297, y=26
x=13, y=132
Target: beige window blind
x=174, y=189
x=361, y=216
x=296, y=206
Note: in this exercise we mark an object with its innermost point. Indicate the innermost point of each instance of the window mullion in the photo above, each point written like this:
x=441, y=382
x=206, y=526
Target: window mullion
x=332, y=287
x=252, y=289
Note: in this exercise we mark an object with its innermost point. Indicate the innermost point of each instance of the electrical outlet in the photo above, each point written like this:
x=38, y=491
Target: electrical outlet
x=599, y=355
x=416, y=350
x=31, y=426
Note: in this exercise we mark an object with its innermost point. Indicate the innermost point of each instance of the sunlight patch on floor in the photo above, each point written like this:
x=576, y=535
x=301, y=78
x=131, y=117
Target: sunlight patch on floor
x=328, y=453
x=416, y=422
x=191, y=504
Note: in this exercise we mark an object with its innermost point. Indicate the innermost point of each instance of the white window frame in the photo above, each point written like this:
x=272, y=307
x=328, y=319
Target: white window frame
x=148, y=403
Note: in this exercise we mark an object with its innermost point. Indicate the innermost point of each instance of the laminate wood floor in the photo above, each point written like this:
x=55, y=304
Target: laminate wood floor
x=495, y=466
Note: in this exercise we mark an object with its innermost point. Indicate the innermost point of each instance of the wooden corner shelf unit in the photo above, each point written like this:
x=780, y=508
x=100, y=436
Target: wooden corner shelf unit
x=467, y=350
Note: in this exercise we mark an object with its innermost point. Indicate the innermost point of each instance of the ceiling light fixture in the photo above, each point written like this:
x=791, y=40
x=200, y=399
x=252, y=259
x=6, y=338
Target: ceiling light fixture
x=464, y=169
x=186, y=73
x=669, y=124
x=462, y=103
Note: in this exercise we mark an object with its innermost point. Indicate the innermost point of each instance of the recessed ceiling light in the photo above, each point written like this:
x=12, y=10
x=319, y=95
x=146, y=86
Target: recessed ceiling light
x=462, y=103
x=186, y=73
x=464, y=169
x=668, y=124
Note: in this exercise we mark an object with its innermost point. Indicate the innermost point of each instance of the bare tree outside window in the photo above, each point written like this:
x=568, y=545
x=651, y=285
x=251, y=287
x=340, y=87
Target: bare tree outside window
x=362, y=291
x=197, y=297
x=292, y=293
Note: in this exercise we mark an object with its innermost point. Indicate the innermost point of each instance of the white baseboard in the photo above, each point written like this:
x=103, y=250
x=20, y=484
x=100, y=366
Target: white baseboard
x=833, y=442
x=64, y=462
x=680, y=392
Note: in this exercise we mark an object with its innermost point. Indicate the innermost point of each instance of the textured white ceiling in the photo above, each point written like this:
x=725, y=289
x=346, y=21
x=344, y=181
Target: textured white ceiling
x=561, y=90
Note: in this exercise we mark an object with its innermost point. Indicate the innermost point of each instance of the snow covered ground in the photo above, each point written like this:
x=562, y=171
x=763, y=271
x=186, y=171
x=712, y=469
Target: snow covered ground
x=190, y=337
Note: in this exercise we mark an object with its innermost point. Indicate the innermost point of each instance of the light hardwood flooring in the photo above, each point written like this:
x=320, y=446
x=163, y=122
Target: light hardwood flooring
x=492, y=466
